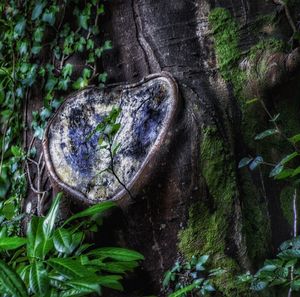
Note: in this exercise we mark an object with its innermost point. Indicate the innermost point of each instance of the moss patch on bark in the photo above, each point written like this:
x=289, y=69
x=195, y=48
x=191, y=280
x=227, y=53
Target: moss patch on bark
x=209, y=229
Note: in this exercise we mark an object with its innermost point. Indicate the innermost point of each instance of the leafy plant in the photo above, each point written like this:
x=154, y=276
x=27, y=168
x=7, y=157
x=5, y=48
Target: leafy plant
x=284, y=270
x=106, y=131
x=54, y=260
x=190, y=277
x=36, y=44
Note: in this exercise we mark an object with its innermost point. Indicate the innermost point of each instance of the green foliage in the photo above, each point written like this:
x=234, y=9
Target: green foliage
x=190, y=276
x=30, y=35
x=56, y=261
x=283, y=271
x=226, y=36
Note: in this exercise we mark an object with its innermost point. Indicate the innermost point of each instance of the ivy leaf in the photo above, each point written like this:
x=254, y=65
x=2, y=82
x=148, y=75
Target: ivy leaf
x=49, y=17
x=20, y=27
x=38, y=34
x=102, y=77
x=80, y=83
x=36, y=49
x=38, y=132
x=67, y=70
x=37, y=11
x=266, y=133
x=107, y=45
x=45, y=114
x=83, y=21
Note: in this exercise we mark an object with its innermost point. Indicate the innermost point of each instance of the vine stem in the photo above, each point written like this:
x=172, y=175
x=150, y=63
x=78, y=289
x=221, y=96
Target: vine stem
x=278, y=129
x=112, y=167
x=294, y=234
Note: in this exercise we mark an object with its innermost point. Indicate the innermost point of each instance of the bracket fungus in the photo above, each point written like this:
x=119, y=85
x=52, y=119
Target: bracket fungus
x=82, y=167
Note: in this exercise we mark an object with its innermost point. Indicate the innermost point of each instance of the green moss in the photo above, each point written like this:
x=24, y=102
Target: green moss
x=271, y=45
x=286, y=202
x=256, y=225
x=208, y=224
x=217, y=169
x=225, y=30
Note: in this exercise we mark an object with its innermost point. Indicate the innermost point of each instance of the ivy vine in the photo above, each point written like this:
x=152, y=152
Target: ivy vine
x=38, y=42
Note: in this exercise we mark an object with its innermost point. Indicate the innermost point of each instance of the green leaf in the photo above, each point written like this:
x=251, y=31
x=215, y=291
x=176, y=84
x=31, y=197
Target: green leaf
x=11, y=281
x=75, y=293
x=11, y=243
x=256, y=162
x=203, y=259
x=49, y=17
x=184, y=290
x=95, y=209
x=80, y=83
x=20, y=26
x=266, y=133
x=295, y=138
x=244, y=162
x=65, y=242
x=49, y=222
x=288, y=158
x=295, y=285
x=111, y=281
x=251, y=101
x=296, y=171
x=37, y=11
x=38, y=278
x=107, y=45
x=68, y=267
x=67, y=70
x=34, y=235
x=259, y=286
x=289, y=254
x=118, y=254
x=17, y=151
x=284, y=174
x=83, y=21
x=85, y=284
x=38, y=34
x=38, y=245
x=276, y=170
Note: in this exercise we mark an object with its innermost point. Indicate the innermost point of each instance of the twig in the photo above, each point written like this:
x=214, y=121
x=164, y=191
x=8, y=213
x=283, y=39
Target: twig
x=294, y=234
x=278, y=129
x=112, y=169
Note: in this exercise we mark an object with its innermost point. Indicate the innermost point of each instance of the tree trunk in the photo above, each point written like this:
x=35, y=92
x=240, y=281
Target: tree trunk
x=199, y=202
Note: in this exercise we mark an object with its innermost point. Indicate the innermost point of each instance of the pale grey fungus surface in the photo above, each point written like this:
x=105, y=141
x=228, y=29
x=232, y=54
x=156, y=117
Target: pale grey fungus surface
x=77, y=159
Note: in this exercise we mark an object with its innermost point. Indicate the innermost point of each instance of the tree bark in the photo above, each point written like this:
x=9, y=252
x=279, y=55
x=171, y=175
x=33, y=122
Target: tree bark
x=199, y=202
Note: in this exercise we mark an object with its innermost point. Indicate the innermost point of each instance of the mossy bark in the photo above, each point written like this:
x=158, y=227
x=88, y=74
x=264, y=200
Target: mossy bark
x=199, y=201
